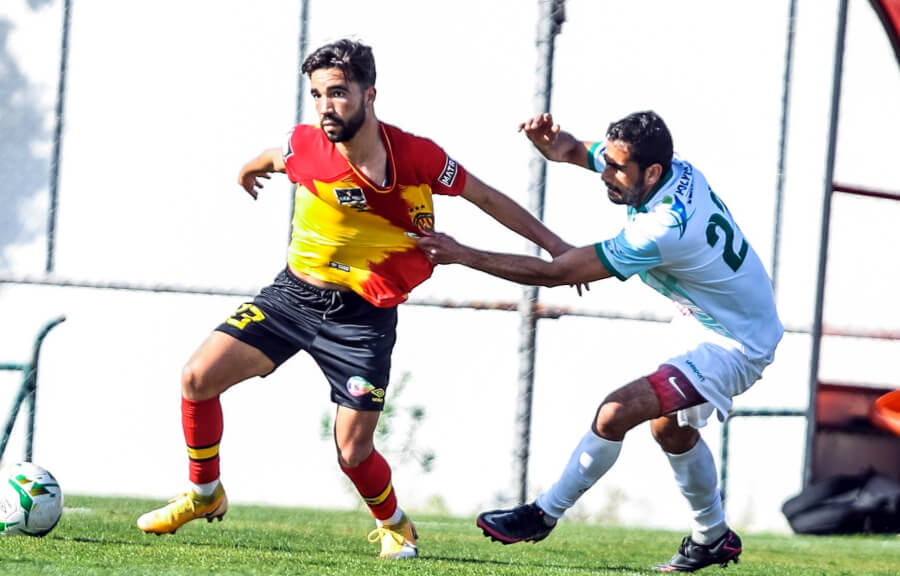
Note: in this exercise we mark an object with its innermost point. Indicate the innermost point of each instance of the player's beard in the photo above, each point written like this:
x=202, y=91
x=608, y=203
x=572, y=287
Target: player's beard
x=346, y=129
x=633, y=196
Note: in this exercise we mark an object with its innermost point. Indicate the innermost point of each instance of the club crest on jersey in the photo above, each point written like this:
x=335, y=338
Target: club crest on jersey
x=352, y=198
x=448, y=175
x=424, y=221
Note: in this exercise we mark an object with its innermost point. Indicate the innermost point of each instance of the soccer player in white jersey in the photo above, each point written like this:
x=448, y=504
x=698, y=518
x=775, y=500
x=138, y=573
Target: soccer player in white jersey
x=681, y=240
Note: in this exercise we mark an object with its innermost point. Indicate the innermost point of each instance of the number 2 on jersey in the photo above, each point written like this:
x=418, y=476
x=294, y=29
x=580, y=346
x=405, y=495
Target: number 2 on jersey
x=732, y=258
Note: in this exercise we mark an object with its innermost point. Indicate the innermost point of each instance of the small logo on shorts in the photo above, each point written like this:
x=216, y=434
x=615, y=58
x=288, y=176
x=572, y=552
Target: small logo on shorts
x=675, y=385
x=696, y=370
x=358, y=386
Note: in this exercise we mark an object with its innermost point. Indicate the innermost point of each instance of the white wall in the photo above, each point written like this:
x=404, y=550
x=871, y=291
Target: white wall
x=166, y=99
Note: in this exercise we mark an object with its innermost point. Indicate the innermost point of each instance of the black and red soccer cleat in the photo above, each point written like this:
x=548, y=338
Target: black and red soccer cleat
x=526, y=523
x=692, y=556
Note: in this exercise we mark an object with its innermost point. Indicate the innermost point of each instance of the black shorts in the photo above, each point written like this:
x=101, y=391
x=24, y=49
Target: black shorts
x=350, y=339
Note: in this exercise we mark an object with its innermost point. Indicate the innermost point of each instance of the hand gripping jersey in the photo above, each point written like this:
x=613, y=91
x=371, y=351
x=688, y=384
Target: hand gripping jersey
x=353, y=232
x=683, y=242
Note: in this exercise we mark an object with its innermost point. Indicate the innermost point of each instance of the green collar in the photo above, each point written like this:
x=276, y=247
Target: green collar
x=662, y=182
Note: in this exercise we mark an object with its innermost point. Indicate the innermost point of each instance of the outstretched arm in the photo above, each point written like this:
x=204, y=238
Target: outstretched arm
x=555, y=144
x=268, y=161
x=575, y=266
x=506, y=211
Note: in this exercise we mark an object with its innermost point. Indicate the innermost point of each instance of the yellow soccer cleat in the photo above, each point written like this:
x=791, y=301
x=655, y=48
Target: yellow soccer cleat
x=397, y=540
x=189, y=506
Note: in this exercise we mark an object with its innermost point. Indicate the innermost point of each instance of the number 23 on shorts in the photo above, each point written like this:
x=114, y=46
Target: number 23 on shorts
x=245, y=314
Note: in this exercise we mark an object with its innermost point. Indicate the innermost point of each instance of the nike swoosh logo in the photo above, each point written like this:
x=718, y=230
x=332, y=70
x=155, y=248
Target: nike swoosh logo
x=674, y=384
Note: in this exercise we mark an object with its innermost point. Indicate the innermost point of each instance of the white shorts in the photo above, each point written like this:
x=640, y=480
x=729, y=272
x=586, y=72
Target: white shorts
x=717, y=367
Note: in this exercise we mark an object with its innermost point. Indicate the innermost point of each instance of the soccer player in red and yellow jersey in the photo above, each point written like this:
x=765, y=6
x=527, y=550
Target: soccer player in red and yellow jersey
x=363, y=197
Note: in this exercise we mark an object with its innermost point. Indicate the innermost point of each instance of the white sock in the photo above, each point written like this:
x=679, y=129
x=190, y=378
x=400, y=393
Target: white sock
x=590, y=460
x=394, y=519
x=205, y=489
x=695, y=473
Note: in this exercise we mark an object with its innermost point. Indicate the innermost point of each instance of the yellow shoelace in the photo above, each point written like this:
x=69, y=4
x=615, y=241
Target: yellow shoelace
x=382, y=531
x=179, y=504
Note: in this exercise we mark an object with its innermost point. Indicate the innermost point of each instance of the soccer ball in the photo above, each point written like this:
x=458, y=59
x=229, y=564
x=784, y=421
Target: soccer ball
x=31, y=502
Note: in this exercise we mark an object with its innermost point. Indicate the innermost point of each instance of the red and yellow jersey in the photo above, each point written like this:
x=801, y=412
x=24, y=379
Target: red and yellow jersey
x=347, y=230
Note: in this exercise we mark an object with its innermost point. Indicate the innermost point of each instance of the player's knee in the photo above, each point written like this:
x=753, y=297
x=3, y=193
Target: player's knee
x=612, y=421
x=194, y=384
x=352, y=454
x=675, y=439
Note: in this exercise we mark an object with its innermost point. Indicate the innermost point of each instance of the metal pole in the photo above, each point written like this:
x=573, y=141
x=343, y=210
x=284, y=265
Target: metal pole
x=551, y=15
x=57, y=140
x=14, y=411
x=301, y=56
x=30, y=383
x=301, y=90
x=823, y=244
x=782, y=143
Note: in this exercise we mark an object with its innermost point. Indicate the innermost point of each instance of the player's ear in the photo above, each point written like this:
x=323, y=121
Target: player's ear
x=653, y=174
x=370, y=95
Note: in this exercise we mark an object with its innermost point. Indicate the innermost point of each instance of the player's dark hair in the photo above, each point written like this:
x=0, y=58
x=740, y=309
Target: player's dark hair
x=650, y=140
x=353, y=58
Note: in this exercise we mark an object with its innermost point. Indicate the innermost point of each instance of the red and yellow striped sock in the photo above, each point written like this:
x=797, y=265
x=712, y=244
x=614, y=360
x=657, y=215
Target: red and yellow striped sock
x=372, y=479
x=202, y=424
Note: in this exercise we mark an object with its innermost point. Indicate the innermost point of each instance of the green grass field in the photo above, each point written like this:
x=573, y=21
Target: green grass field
x=98, y=536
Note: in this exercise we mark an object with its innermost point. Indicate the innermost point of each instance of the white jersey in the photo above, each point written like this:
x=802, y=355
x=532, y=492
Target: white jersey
x=683, y=242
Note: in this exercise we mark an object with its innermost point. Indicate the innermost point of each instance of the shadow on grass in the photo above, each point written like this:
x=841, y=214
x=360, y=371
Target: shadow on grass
x=149, y=541
x=531, y=564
